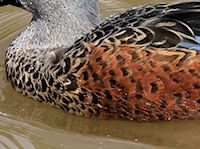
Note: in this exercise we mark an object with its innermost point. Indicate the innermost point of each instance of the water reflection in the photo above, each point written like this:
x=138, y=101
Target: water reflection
x=25, y=123
x=23, y=135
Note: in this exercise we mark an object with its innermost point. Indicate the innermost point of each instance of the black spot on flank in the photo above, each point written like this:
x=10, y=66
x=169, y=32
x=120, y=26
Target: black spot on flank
x=134, y=55
x=44, y=85
x=98, y=59
x=120, y=58
x=34, y=93
x=178, y=97
x=67, y=64
x=98, y=93
x=71, y=77
x=19, y=84
x=137, y=112
x=35, y=75
x=83, y=107
x=75, y=53
x=111, y=39
x=112, y=82
x=23, y=78
x=95, y=77
x=95, y=99
x=106, y=48
x=125, y=96
x=176, y=80
x=76, y=101
x=154, y=87
x=27, y=67
x=82, y=96
x=73, y=109
x=196, y=86
x=181, y=71
x=28, y=83
x=132, y=80
x=73, y=86
x=163, y=104
x=112, y=72
x=161, y=117
x=83, y=89
x=58, y=85
x=41, y=97
x=139, y=96
x=70, y=99
x=21, y=60
x=97, y=35
x=108, y=94
x=120, y=86
x=104, y=64
x=17, y=68
x=125, y=114
x=166, y=68
x=192, y=71
x=85, y=75
x=55, y=95
x=84, y=53
x=91, y=111
x=50, y=80
x=124, y=71
x=123, y=41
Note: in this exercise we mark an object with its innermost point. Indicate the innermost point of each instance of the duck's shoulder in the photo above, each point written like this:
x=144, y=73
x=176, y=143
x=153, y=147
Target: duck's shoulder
x=135, y=15
x=164, y=26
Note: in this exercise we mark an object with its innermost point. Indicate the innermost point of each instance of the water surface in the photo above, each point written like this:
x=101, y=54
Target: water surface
x=27, y=124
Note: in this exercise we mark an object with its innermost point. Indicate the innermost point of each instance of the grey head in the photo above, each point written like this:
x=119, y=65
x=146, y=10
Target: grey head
x=55, y=23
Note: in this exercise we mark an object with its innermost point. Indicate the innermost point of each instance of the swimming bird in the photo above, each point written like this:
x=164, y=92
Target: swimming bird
x=142, y=64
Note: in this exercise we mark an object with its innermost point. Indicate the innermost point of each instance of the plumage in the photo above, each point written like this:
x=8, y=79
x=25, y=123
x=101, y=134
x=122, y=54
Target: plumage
x=142, y=64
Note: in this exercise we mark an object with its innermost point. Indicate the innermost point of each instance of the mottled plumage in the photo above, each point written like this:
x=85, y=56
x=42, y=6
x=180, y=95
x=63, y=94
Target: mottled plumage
x=142, y=64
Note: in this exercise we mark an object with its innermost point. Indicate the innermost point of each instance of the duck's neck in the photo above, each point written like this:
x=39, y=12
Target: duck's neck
x=59, y=25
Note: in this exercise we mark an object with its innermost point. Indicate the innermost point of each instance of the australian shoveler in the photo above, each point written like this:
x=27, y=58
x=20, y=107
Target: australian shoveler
x=142, y=64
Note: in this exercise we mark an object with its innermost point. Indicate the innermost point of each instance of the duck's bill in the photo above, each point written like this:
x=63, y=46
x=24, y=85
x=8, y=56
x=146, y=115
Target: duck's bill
x=10, y=2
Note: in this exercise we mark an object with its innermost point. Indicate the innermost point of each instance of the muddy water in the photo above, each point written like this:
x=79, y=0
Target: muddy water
x=27, y=124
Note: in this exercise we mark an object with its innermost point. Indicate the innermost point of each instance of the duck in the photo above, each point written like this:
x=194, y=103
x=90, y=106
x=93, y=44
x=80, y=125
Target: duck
x=142, y=64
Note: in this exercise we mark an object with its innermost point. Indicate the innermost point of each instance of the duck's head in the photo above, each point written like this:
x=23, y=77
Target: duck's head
x=10, y=2
x=42, y=6
x=59, y=22
x=32, y=6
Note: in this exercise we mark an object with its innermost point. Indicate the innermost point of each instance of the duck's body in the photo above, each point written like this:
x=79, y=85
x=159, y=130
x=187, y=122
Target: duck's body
x=143, y=64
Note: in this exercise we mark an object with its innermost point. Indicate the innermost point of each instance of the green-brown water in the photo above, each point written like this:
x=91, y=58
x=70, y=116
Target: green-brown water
x=27, y=124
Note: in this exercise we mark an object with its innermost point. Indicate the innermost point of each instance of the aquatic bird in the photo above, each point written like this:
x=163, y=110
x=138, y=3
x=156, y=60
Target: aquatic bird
x=142, y=64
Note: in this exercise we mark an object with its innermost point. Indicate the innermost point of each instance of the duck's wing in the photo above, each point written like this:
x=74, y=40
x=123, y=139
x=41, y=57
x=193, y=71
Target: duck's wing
x=177, y=23
x=142, y=64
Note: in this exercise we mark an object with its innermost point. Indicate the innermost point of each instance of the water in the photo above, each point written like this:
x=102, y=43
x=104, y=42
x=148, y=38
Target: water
x=27, y=124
